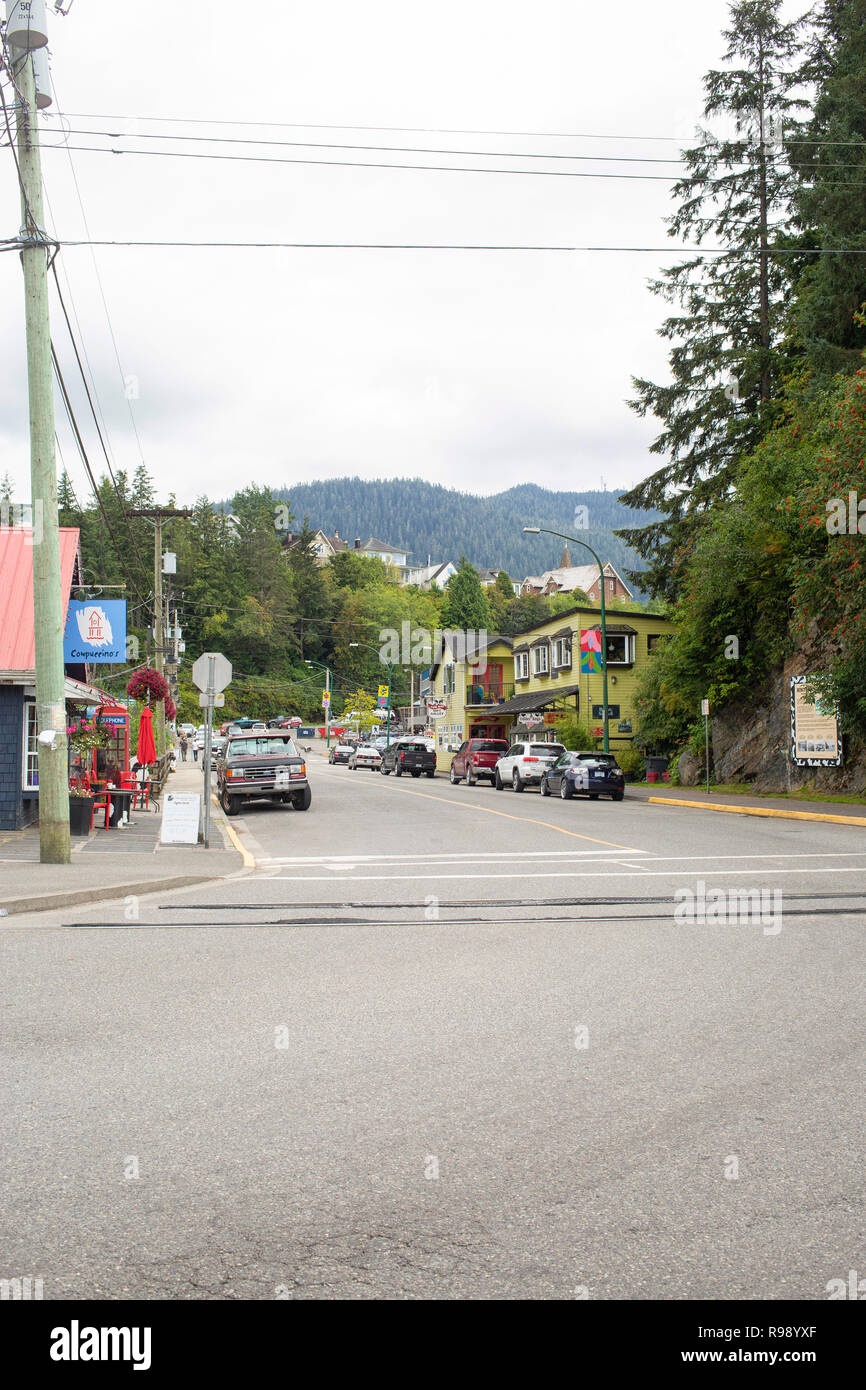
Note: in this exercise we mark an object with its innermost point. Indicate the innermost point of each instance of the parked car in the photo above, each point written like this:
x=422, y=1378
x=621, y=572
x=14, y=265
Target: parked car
x=341, y=752
x=365, y=755
x=217, y=744
x=525, y=763
x=408, y=755
x=477, y=758
x=256, y=765
x=586, y=774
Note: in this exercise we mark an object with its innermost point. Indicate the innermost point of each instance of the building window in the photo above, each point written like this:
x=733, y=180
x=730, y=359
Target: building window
x=521, y=666
x=620, y=649
x=30, y=760
x=562, y=653
x=448, y=685
x=652, y=641
x=540, y=660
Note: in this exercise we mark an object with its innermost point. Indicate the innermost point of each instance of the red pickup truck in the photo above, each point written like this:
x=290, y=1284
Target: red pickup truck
x=477, y=758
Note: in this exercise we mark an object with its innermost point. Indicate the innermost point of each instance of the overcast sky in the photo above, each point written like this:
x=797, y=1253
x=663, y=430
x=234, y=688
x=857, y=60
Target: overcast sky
x=475, y=369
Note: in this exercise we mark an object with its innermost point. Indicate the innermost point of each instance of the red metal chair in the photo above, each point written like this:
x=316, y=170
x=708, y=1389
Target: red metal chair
x=101, y=802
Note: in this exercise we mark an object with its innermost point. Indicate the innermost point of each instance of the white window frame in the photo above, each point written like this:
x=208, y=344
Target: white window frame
x=629, y=638
x=537, y=668
x=561, y=653
x=449, y=683
x=521, y=666
x=30, y=748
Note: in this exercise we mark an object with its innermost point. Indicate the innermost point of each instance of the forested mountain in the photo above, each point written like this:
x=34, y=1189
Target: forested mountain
x=436, y=523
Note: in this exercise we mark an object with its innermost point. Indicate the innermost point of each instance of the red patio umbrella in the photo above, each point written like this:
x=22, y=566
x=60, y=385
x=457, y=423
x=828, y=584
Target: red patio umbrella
x=146, y=751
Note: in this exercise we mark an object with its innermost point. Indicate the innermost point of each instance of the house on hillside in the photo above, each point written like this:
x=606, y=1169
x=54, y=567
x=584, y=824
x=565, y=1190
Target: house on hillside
x=568, y=578
x=325, y=547
x=431, y=576
x=489, y=577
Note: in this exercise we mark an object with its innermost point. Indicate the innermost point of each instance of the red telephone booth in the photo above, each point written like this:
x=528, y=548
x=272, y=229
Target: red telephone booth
x=114, y=719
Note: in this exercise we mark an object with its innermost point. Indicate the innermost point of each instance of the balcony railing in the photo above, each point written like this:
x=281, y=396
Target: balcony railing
x=489, y=692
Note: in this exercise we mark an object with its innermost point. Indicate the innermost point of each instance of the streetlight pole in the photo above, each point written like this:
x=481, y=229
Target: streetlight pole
x=328, y=705
x=389, y=667
x=537, y=530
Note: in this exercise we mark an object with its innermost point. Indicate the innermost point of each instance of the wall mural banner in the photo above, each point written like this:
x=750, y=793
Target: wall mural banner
x=815, y=739
x=590, y=652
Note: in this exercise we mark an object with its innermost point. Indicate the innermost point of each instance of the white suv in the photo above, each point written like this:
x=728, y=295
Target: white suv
x=525, y=763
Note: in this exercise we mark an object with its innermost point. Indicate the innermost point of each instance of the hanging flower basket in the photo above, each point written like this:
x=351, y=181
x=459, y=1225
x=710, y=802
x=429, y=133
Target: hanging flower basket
x=84, y=735
x=148, y=685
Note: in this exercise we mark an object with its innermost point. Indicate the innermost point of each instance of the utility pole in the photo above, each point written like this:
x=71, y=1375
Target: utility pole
x=54, y=847
x=157, y=515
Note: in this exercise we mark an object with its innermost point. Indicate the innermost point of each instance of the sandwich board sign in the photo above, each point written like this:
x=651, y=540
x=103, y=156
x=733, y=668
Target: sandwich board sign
x=180, y=818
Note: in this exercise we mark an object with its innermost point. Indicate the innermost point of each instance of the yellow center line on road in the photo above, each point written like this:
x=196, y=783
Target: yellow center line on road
x=524, y=820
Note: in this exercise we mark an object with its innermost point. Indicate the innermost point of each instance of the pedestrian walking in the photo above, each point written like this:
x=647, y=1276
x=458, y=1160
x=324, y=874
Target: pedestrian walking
x=194, y=751
x=184, y=747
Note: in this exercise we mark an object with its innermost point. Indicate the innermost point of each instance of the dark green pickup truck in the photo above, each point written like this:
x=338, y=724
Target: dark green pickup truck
x=410, y=755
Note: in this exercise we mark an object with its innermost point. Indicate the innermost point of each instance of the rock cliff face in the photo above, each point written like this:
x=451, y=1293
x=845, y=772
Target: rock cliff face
x=751, y=743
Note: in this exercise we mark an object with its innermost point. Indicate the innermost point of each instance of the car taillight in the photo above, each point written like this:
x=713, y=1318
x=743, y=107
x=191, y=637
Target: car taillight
x=530, y=759
x=476, y=758
x=402, y=757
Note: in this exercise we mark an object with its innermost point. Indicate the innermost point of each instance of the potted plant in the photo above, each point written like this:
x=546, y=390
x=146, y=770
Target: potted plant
x=80, y=811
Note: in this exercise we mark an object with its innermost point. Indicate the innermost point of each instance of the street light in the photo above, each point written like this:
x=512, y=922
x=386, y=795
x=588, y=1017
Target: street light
x=371, y=648
x=537, y=530
x=328, y=705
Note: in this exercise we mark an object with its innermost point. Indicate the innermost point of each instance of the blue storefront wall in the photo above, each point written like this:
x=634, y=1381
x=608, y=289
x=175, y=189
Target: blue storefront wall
x=17, y=807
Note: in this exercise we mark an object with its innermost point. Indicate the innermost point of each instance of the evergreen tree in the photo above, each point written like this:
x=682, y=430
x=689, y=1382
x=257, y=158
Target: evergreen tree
x=312, y=594
x=830, y=202
x=727, y=356
x=465, y=603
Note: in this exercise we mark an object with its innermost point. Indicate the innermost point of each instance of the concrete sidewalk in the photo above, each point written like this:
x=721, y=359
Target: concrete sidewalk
x=115, y=863
x=786, y=807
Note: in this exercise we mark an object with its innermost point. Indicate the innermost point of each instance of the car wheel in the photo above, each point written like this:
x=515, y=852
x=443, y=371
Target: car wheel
x=398, y=772
x=417, y=774
x=517, y=782
x=545, y=788
x=454, y=778
x=386, y=772
x=617, y=796
x=470, y=777
x=497, y=781
x=301, y=800
x=431, y=772
x=229, y=803
x=565, y=790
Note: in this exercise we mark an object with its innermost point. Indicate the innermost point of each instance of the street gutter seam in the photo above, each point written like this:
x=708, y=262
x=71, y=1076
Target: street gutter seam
x=758, y=811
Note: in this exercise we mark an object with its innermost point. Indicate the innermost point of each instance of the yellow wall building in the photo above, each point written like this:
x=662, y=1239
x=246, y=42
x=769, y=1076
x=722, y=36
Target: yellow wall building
x=542, y=671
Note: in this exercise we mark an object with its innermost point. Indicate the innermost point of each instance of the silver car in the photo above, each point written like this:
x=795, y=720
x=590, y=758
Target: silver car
x=525, y=763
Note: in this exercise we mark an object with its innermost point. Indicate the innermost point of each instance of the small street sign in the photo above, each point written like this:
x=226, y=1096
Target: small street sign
x=215, y=701
x=212, y=671
x=383, y=692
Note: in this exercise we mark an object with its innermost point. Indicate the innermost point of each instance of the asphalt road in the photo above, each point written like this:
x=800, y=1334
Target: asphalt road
x=448, y=1043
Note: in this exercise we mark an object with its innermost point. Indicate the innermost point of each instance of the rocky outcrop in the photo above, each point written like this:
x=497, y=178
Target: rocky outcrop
x=751, y=743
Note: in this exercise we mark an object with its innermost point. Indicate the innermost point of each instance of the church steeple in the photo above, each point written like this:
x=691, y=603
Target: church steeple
x=565, y=562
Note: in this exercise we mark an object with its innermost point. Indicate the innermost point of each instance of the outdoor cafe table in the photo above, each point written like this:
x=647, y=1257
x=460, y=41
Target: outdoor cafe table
x=120, y=804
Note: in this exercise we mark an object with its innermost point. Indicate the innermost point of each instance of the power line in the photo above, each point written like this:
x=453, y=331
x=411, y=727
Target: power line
x=102, y=292
x=388, y=149
x=414, y=130
x=362, y=164
x=460, y=246
x=129, y=529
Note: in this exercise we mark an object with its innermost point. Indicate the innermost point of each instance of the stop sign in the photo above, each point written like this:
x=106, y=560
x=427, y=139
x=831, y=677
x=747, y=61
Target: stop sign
x=212, y=671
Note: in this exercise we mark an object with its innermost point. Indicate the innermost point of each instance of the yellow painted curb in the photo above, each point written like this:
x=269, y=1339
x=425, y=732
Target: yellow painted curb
x=249, y=860
x=758, y=811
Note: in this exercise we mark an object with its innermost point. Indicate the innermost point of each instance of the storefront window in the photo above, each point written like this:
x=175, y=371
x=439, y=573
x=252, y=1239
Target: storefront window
x=30, y=760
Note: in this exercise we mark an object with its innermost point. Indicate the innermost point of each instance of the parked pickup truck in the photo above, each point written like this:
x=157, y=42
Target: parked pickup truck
x=477, y=758
x=410, y=755
x=263, y=764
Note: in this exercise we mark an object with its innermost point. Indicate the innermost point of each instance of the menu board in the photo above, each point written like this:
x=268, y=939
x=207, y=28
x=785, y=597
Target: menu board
x=180, y=818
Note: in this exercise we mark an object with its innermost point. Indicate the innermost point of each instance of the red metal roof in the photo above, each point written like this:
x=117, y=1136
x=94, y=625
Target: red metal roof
x=17, y=642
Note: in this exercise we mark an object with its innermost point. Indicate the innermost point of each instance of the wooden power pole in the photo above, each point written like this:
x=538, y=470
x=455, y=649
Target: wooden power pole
x=54, y=845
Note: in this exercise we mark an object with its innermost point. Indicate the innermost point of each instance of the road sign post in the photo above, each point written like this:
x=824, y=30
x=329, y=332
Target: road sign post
x=211, y=673
x=705, y=711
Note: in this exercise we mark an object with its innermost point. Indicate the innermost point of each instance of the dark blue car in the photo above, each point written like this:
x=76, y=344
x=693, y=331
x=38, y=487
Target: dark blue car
x=584, y=774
